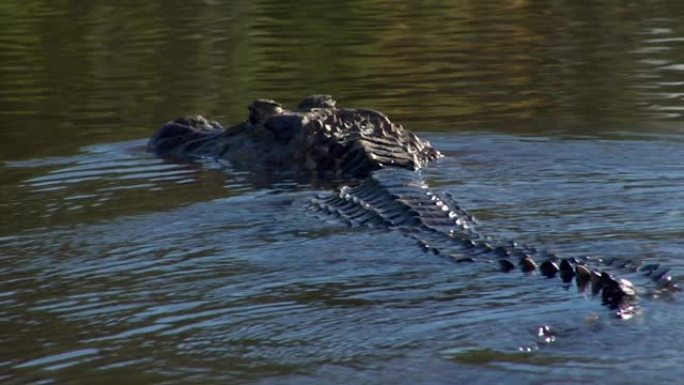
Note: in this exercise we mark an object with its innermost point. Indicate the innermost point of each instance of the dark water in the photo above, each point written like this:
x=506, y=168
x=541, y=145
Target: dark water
x=562, y=125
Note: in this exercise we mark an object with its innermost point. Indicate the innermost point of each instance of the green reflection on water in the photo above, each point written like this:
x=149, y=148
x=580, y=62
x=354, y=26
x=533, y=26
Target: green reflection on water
x=80, y=72
x=77, y=73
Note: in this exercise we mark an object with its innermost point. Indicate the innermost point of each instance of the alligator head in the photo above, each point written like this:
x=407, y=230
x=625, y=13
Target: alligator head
x=316, y=138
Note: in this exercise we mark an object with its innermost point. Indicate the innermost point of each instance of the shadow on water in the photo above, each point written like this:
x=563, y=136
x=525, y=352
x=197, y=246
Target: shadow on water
x=561, y=122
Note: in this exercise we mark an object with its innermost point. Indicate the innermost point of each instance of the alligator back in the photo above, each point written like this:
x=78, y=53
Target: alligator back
x=400, y=200
x=351, y=143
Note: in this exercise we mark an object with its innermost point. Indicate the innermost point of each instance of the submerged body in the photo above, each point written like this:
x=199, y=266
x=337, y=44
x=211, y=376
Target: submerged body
x=375, y=158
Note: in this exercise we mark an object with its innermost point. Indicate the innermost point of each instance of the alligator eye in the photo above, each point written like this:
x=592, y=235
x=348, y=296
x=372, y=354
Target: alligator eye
x=253, y=115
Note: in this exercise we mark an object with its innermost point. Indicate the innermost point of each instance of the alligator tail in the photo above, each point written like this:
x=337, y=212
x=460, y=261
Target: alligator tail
x=397, y=199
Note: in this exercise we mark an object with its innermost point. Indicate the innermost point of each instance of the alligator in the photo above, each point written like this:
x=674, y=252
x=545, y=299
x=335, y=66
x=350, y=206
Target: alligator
x=316, y=139
x=372, y=163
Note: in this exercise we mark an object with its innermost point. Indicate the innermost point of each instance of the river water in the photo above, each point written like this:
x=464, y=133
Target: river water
x=561, y=123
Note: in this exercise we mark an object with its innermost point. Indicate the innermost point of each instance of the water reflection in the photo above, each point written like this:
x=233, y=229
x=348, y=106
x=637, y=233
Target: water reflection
x=252, y=285
x=117, y=70
x=118, y=266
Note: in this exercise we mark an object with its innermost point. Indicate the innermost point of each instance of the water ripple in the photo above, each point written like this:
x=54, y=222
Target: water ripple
x=120, y=267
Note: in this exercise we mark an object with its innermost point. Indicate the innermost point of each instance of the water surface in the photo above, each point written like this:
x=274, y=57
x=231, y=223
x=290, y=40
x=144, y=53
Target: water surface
x=561, y=123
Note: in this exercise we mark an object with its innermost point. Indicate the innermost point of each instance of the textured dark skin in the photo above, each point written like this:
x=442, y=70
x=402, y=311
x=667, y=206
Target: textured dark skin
x=370, y=153
x=316, y=138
